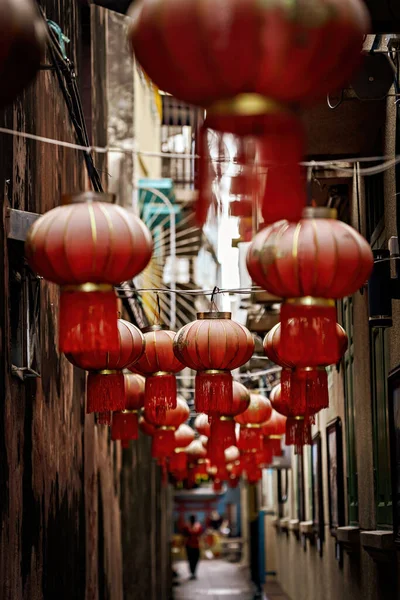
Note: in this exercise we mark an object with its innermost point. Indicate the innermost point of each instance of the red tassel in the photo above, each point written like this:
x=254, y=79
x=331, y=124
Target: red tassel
x=311, y=385
x=233, y=482
x=308, y=335
x=214, y=392
x=125, y=426
x=105, y=391
x=222, y=436
x=275, y=444
x=178, y=462
x=104, y=418
x=298, y=432
x=87, y=322
x=281, y=150
x=125, y=444
x=267, y=452
x=250, y=439
x=160, y=394
x=163, y=444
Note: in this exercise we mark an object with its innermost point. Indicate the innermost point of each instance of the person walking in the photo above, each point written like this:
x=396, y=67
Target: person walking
x=193, y=531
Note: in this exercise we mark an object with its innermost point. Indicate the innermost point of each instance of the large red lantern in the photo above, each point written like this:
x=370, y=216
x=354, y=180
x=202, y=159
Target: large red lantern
x=222, y=428
x=125, y=422
x=213, y=346
x=298, y=422
x=302, y=386
x=105, y=383
x=250, y=421
x=261, y=58
x=184, y=436
x=159, y=364
x=166, y=424
x=23, y=36
x=87, y=246
x=310, y=264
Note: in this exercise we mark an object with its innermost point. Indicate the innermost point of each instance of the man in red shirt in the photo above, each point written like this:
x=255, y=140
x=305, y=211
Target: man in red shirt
x=193, y=531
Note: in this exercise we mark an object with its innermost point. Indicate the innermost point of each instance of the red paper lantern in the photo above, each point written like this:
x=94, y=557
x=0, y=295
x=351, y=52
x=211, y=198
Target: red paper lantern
x=87, y=247
x=159, y=364
x=125, y=423
x=310, y=265
x=23, y=40
x=105, y=383
x=298, y=422
x=202, y=425
x=262, y=58
x=213, y=346
x=166, y=424
x=259, y=411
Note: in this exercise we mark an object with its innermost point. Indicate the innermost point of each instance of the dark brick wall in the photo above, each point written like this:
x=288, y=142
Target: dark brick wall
x=78, y=518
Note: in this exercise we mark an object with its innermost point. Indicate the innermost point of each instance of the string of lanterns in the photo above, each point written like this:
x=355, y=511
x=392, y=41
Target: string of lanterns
x=265, y=60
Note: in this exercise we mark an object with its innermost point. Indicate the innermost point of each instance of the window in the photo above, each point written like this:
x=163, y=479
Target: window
x=24, y=288
x=348, y=379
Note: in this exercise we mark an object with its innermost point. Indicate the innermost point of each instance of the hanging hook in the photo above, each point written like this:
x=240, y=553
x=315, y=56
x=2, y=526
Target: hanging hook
x=157, y=315
x=212, y=301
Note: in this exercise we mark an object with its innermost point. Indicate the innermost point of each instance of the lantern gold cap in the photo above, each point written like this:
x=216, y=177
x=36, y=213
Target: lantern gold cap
x=154, y=328
x=319, y=212
x=214, y=315
x=87, y=197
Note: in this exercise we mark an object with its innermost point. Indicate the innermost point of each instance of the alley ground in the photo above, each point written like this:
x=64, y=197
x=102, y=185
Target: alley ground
x=219, y=580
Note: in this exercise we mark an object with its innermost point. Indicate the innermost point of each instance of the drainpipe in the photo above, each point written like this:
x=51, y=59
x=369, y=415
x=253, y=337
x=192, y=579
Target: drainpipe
x=172, y=248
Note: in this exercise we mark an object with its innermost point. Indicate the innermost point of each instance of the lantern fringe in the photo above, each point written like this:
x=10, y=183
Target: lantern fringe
x=298, y=432
x=125, y=426
x=222, y=436
x=233, y=482
x=268, y=452
x=125, y=444
x=308, y=335
x=105, y=392
x=163, y=444
x=214, y=392
x=178, y=462
x=250, y=439
x=88, y=322
x=217, y=486
x=160, y=395
x=312, y=386
x=276, y=446
x=104, y=418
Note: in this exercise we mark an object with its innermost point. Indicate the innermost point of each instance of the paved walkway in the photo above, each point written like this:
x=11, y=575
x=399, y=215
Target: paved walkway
x=219, y=580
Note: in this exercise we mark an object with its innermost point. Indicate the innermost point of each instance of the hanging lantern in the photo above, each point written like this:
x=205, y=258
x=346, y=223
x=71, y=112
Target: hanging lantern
x=166, y=424
x=202, y=425
x=222, y=429
x=125, y=423
x=302, y=386
x=259, y=411
x=197, y=461
x=213, y=346
x=105, y=383
x=262, y=58
x=87, y=246
x=298, y=422
x=159, y=364
x=204, y=440
x=310, y=264
x=23, y=36
x=272, y=431
x=178, y=462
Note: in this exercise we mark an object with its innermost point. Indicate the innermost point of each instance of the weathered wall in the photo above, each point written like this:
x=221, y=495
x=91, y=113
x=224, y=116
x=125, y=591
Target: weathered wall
x=79, y=517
